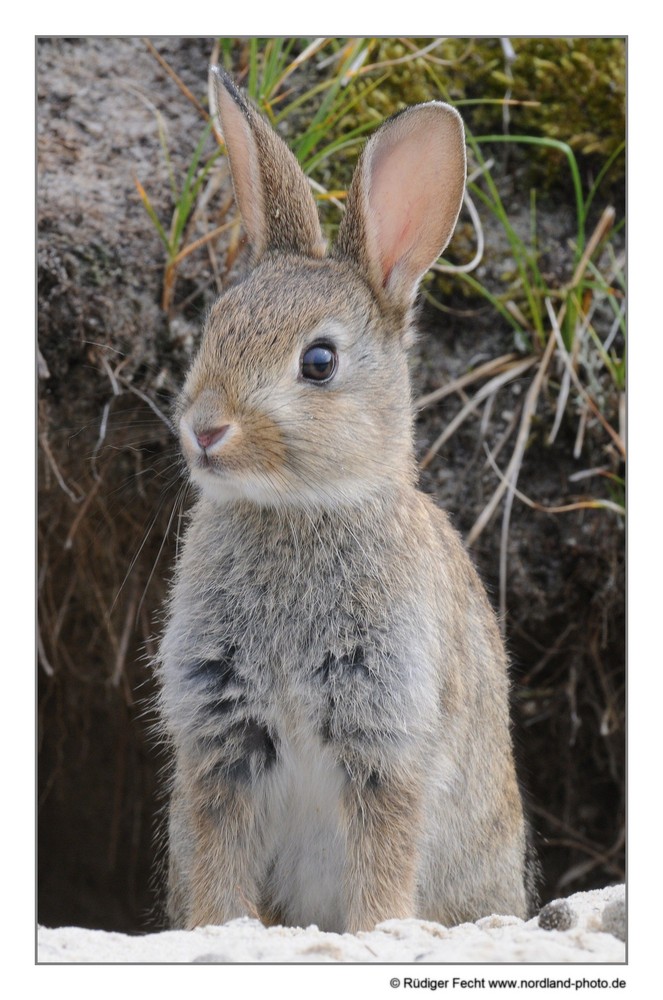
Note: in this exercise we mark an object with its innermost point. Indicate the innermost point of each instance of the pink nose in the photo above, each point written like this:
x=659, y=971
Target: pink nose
x=207, y=438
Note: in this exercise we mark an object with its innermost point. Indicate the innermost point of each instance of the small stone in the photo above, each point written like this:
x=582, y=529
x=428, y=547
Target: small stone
x=210, y=958
x=558, y=916
x=613, y=920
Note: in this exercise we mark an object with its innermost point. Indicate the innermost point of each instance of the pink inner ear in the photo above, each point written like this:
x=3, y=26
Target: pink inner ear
x=243, y=155
x=399, y=210
x=395, y=243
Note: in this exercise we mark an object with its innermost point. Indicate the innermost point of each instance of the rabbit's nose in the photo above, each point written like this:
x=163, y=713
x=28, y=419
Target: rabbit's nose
x=210, y=437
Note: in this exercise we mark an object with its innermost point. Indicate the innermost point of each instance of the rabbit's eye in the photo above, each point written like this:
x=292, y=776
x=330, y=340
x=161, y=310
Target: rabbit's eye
x=319, y=363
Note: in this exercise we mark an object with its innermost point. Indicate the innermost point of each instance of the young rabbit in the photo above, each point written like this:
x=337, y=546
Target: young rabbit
x=332, y=676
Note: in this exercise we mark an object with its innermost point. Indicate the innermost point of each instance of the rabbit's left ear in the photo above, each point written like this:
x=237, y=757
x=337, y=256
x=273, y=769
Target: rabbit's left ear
x=404, y=200
x=273, y=195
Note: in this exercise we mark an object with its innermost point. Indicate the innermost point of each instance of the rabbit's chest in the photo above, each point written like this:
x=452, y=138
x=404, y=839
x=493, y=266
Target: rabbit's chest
x=274, y=643
x=295, y=664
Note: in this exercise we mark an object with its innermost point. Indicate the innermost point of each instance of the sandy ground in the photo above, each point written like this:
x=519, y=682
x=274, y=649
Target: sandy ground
x=586, y=927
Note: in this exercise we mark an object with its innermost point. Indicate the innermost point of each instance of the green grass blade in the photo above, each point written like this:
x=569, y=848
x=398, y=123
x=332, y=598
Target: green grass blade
x=563, y=147
x=525, y=263
x=323, y=118
x=252, y=82
x=149, y=208
x=341, y=142
x=601, y=174
x=183, y=207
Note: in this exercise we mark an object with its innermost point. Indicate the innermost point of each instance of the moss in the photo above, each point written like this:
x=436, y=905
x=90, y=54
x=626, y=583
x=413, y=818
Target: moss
x=581, y=84
x=574, y=89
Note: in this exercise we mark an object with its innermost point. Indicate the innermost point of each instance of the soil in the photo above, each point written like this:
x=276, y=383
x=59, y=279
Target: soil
x=111, y=493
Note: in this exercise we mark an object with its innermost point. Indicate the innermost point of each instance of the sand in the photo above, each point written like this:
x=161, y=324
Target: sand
x=588, y=927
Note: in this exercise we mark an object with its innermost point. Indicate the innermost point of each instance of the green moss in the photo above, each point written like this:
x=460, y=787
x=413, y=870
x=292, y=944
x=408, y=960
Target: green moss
x=581, y=86
x=573, y=89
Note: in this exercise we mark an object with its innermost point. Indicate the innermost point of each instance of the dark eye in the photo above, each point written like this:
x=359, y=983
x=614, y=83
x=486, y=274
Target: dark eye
x=319, y=363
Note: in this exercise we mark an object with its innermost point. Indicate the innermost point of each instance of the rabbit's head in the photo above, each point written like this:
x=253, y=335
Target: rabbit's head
x=299, y=394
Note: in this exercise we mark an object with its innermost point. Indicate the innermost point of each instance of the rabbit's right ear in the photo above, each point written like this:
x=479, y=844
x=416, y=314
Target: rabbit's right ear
x=273, y=195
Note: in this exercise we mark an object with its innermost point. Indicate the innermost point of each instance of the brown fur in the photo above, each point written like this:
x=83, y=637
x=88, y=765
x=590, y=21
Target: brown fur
x=381, y=862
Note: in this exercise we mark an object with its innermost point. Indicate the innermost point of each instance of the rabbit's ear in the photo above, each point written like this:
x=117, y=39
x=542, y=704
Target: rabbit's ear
x=404, y=200
x=273, y=195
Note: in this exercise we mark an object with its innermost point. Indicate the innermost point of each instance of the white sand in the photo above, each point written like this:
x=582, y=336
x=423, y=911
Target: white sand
x=597, y=937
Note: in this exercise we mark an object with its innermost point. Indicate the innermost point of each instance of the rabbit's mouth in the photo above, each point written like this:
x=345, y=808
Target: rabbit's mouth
x=205, y=464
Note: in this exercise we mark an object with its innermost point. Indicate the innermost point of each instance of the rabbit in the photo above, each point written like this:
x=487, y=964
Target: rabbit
x=332, y=677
